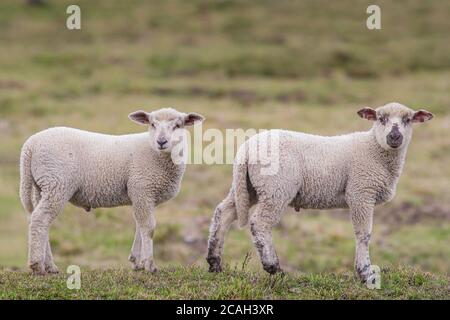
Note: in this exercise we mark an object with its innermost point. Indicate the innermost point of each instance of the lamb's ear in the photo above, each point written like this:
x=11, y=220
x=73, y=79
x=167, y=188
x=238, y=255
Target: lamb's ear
x=422, y=116
x=192, y=118
x=368, y=113
x=140, y=117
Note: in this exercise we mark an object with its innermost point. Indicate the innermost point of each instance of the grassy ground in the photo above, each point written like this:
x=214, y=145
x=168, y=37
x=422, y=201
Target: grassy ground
x=195, y=283
x=299, y=65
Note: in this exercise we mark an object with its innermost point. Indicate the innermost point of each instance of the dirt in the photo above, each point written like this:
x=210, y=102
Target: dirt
x=295, y=96
x=405, y=213
x=193, y=233
x=11, y=84
x=5, y=126
x=242, y=96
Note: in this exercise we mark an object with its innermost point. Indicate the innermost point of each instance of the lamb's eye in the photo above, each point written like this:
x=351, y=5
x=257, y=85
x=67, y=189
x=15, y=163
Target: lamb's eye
x=177, y=126
x=153, y=125
x=383, y=120
x=406, y=120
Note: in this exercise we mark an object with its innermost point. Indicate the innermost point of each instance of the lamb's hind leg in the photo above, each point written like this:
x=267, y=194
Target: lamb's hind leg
x=224, y=215
x=49, y=265
x=39, y=225
x=264, y=218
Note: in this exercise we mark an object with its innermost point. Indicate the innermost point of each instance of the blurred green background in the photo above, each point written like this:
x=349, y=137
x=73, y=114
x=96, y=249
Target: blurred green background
x=299, y=65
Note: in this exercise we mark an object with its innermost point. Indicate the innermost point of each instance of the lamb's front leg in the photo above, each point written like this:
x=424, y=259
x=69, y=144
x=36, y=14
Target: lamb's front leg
x=145, y=220
x=135, y=255
x=362, y=216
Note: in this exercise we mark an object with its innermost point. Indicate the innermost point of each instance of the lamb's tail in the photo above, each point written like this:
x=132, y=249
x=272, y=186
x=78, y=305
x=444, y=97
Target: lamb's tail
x=26, y=179
x=240, y=188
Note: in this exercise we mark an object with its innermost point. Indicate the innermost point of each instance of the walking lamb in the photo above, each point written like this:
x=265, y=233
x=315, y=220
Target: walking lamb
x=356, y=171
x=93, y=170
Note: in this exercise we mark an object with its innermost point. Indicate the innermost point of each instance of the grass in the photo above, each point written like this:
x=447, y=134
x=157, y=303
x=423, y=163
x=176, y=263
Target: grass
x=299, y=65
x=195, y=283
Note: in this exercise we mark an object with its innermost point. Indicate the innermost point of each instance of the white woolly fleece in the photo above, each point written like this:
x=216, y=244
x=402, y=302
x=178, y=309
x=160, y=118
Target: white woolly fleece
x=93, y=170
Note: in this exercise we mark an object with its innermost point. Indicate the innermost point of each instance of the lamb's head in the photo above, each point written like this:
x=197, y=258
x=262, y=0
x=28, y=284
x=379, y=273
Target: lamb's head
x=165, y=126
x=393, y=124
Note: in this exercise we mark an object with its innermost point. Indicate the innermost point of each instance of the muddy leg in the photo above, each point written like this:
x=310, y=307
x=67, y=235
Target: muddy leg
x=362, y=223
x=264, y=218
x=224, y=215
x=135, y=255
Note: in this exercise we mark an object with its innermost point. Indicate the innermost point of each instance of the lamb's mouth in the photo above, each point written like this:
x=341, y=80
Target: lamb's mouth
x=162, y=148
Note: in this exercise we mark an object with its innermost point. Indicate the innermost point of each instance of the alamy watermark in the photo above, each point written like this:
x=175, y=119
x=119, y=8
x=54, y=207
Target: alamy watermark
x=373, y=22
x=73, y=21
x=374, y=280
x=74, y=279
x=234, y=146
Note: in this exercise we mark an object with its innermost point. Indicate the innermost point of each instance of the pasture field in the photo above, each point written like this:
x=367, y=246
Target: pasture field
x=298, y=65
x=179, y=282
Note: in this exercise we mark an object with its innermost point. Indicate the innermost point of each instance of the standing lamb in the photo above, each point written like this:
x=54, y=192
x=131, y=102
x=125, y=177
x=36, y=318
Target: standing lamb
x=93, y=170
x=356, y=171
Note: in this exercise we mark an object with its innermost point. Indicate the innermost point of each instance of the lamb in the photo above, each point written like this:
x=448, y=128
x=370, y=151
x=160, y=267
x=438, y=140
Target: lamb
x=356, y=171
x=92, y=170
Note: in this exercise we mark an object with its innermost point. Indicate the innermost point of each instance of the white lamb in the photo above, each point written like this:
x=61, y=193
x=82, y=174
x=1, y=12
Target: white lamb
x=93, y=170
x=356, y=171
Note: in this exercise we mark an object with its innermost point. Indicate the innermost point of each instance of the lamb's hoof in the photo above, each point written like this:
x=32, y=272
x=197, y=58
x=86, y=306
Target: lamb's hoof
x=150, y=266
x=37, y=268
x=137, y=267
x=364, y=273
x=51, y=268
x=136, y=263
x=215, y=268
x=362, y=278
x=214, y=264
x=132, y=258
x=272, y=268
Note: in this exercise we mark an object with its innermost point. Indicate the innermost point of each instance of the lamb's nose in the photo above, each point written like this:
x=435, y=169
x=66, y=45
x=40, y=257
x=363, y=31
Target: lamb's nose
x=161, y=142
x=395, y=136
x=395, y=139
